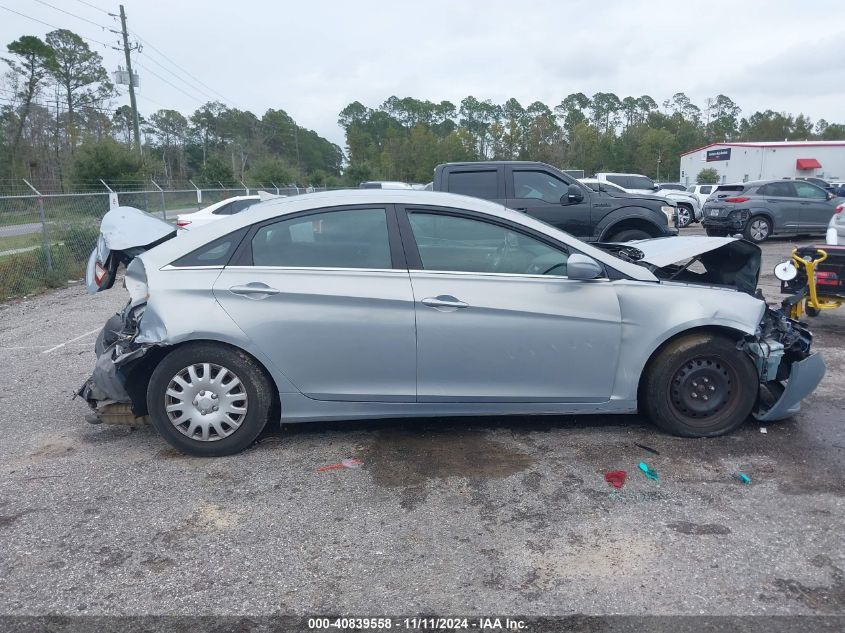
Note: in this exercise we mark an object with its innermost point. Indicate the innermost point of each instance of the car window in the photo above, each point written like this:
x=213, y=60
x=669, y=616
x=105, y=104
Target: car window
x=350, y=238
x=640, y=182
x=778, y=189
x=241, y=205
x=224, y=210
x=594, y=186
x=806, y=190
x=620, y=181
x=478, y=184
x=539, y=185
x=215, y=253
x=461, y=244
x=706, y=189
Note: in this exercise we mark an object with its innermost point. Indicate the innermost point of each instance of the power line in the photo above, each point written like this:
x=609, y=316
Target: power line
x=180, y=78
x=29, y=17
x=93, y=6
x=172, y=85
x=189, y=74
x=78, y=17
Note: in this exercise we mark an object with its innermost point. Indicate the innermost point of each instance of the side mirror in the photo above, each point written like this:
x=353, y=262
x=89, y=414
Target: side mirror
x=582, y=267
x=573, y=195
x=830, y=196
x=655, y=187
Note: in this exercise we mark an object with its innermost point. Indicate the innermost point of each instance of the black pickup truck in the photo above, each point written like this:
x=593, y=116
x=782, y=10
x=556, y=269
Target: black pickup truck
x=556, y=198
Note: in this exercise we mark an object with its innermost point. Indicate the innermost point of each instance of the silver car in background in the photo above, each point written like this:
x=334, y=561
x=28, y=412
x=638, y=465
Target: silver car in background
x=380, y=303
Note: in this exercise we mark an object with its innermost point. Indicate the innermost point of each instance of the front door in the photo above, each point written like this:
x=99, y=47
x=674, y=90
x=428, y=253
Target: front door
x=497, y=318
x=319, y=293
x=543, y=195
x=815, y=208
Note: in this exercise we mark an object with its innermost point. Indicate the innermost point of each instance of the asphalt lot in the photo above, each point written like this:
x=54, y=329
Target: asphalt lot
x=450, y=516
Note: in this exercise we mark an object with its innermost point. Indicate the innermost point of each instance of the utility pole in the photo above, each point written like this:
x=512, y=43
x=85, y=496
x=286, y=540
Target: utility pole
x=127, y=50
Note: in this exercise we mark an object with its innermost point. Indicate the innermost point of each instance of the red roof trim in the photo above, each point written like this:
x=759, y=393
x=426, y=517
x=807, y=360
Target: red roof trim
x=807, y=163
x=787, y=144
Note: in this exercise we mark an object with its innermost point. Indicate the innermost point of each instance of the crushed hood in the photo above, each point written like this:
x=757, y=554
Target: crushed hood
x=127, y=227
x=727, y=261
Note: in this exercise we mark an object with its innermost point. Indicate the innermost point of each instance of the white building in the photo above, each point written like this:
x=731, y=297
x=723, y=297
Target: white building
x=739, y=162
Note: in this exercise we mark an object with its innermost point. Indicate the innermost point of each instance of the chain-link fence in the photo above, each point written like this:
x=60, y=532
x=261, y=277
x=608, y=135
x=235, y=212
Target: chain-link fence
x=45, y=239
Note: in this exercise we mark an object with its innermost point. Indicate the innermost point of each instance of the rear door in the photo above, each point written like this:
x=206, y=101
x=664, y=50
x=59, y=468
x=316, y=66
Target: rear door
x=479, y=181
x=327, y=296
x=781, y=200
x=544, y=195
x=497, y=318
x=815, y=208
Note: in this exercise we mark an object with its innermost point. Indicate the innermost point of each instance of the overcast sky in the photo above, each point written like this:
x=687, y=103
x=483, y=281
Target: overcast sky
x=313, y=58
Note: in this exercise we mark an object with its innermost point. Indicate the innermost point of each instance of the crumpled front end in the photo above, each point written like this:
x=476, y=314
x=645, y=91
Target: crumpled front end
x=789, y=371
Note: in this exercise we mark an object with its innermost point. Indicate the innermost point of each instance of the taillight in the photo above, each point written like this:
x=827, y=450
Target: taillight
x=99, y=273
x=738, y=199
x=182, y=223
x=823, y=278
x=839, y=208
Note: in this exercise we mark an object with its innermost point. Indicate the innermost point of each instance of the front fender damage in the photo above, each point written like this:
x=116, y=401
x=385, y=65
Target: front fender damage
x=788, y=370
x=120, y=347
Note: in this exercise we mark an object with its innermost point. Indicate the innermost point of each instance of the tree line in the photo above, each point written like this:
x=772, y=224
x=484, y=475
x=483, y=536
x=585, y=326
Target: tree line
x=58, y=125
x=404, y=138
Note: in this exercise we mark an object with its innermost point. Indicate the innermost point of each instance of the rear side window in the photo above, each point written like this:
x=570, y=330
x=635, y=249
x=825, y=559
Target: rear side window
x=778, y=189
x=216, y=253
x=478, y=184
x=621, y=181
x=706, y=189
x=235, y=207
x=349, y=238
x=640, y=182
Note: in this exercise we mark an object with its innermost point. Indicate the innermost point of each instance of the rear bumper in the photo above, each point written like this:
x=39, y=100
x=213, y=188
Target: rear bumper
x=735, y=221
x=804, y=377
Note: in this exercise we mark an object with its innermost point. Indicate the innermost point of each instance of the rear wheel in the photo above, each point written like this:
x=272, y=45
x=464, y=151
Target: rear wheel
x=209, y=400
x=700, y=385
x=758, y=229
x=629, y=235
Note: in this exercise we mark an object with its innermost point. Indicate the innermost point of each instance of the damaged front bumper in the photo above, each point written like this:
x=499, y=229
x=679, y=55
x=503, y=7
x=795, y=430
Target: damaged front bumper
x=788, y=370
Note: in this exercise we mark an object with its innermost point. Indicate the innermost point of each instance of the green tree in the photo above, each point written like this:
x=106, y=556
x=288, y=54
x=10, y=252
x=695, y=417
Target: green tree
x=106, y=159
x=707, y=176
x=216, y=170
x=33, y=62
x=80, y=73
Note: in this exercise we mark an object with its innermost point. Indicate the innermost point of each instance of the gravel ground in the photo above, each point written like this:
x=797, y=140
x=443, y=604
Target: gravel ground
x=470, y=516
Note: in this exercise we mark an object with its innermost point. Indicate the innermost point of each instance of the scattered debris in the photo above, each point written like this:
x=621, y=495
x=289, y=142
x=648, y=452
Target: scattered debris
x=651, y=474
x=647, y=448
x=741, y=476
x=346, y=463
x=616, y=478
x=763, y=430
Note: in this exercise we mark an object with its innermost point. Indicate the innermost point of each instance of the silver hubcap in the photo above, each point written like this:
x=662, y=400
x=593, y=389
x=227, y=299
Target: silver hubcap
x=683, y=216
x=206, y=402
x=759, y=230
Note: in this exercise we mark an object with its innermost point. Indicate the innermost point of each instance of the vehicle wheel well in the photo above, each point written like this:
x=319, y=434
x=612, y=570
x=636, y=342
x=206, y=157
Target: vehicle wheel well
x=631, y=224
x=704, y=329
x=138, y=376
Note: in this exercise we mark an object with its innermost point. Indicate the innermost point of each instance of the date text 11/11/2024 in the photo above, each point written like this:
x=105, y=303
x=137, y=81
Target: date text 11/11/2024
x=418, y=624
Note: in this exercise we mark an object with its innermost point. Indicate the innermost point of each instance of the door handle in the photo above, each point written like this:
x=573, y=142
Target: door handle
x=448, y=302
x=254, y=290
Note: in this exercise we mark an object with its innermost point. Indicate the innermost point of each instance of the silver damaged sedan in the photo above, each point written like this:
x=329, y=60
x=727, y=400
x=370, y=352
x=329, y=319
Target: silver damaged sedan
x=388, y=303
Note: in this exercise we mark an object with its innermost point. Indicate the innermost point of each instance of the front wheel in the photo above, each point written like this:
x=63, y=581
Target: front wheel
x=685, y=217
x=208, y=399
x=629, y=236
x=700, y=385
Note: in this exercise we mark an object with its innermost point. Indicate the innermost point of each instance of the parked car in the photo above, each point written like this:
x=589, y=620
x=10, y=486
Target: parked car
x=701, y=192
x=672, y=186
x=689, y=208
x=212, y=212
x=546, y=193
x=835, y=234
x=380, y=304
x=762, y=208
x=819, y=182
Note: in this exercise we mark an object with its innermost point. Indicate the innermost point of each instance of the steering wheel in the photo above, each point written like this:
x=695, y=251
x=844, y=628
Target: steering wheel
x=499, y=256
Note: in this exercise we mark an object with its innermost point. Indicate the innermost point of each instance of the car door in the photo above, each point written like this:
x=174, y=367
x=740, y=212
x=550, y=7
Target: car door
x=781, y=200
x=545, y=196
x=327, y=296
x=497, y=318
x=815, y=208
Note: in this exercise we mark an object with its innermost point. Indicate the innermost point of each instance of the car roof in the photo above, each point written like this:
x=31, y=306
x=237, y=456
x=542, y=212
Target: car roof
x=170, y=250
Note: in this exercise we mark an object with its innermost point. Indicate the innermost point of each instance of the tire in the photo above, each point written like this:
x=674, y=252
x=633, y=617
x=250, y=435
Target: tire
x=716, y=232
x=710, y=367
x=757, y=229
x=229, y=424
x=629, y=235
x=685, y=216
